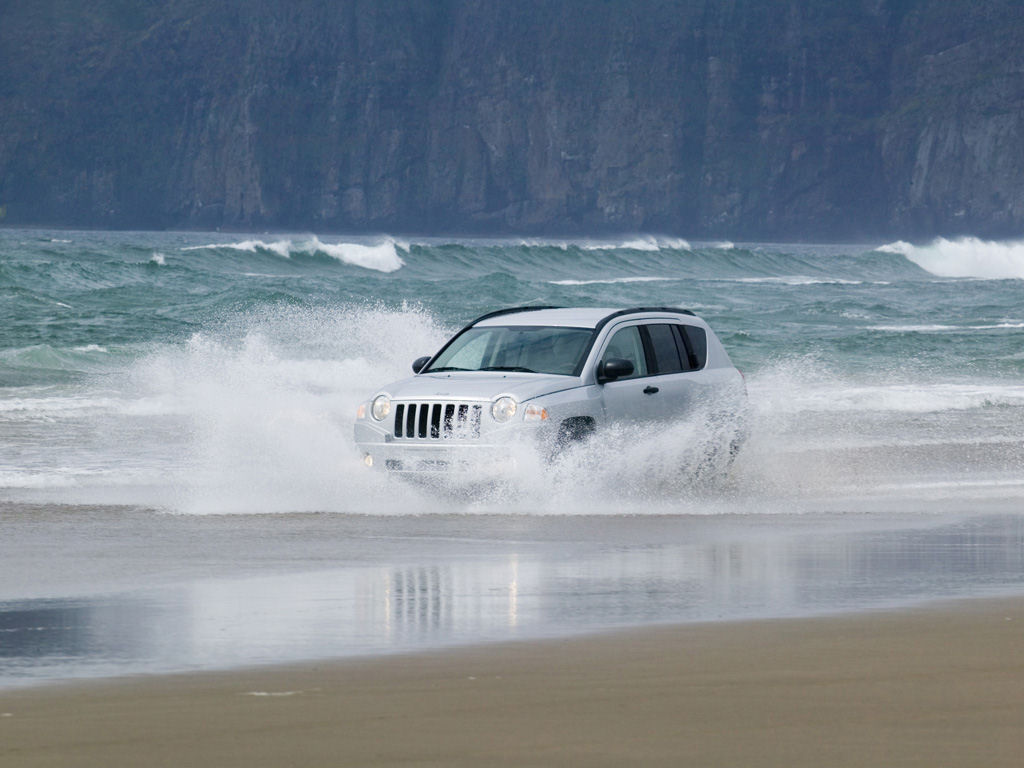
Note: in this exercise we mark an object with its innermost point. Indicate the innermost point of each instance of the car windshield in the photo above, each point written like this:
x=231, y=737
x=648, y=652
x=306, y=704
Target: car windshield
x=523, y=348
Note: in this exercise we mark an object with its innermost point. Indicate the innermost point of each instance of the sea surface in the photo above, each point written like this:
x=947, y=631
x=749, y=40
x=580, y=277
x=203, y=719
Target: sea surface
x=160, y=392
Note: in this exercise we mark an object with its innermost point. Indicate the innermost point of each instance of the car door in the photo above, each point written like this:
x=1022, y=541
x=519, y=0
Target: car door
x=668, y=380
x=674, y=363
x=625, y=399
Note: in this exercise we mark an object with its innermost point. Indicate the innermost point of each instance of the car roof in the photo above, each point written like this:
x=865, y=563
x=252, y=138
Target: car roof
x=572, y=317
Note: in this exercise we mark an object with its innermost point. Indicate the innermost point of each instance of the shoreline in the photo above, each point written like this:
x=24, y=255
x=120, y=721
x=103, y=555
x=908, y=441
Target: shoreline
x=936, y=684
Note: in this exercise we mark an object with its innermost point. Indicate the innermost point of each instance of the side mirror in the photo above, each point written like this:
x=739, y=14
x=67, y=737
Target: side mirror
x=614, y=368
x=420, y=363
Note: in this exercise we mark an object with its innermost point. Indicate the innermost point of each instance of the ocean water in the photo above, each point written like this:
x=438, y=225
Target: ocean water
x=219, y=373
x=179, y=489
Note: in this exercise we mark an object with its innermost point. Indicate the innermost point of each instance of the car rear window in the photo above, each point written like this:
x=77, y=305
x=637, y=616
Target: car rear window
x=694, y=341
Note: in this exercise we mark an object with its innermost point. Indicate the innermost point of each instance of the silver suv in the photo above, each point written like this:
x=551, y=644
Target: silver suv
x=551, y=376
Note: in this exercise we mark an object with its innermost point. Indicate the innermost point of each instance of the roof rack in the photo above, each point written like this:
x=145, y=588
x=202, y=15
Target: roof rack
x=676, y=310
x=510, y=311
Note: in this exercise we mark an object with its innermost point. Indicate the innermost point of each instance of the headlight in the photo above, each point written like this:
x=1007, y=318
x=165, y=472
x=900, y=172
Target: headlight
x=503, y=409
x=381, y=407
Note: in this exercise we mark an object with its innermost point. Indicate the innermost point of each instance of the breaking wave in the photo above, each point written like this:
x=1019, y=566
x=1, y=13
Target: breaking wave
x=965, y=257
x=381, y=257
x=648, y=243
x=644, y=243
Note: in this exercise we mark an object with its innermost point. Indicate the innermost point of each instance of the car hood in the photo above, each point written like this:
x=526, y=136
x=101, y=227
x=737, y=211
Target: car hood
x=478, y=385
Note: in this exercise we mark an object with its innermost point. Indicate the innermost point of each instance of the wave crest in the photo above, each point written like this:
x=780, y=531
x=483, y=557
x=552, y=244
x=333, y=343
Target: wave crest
x=381, y=256
x=965, y=257
x=649, y=243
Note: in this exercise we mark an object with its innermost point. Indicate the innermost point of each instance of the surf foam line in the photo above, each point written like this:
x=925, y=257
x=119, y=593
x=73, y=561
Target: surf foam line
x=649, y=243
x=615, y=281
x=945, y=328
x=965, y=257
x=381, y=257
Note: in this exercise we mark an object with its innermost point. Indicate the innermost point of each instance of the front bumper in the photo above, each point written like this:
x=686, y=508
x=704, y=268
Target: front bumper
x=412, y=459
x=496, y=450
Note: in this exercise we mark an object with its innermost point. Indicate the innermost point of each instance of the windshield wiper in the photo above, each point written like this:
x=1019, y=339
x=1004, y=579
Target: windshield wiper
x=445, y=368
x=516, y=368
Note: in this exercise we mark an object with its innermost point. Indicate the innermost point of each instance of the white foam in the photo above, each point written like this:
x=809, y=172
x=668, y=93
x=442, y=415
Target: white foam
x=965, y=257
x=641, y=243
x=280, y=247
x=535, y=243
x=159, y=259
x=801, y=280
x=944, y=328
x=800, y=389
x=638, y=243
x=381, y=256
x=46, y=407
x=613, y=281
x=915, y=328
x=60, y=478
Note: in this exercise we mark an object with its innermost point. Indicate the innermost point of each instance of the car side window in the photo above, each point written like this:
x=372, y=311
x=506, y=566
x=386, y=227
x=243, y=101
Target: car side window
x=627, y=345
x=664, y=357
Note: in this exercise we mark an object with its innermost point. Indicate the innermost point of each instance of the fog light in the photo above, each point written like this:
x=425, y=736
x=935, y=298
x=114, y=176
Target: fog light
x=368, y=460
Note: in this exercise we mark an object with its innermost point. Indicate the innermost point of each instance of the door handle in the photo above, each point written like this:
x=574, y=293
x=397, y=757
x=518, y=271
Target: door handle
x=650, y=390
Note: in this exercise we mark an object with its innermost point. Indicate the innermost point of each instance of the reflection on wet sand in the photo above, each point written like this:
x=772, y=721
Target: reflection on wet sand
x=539, y=589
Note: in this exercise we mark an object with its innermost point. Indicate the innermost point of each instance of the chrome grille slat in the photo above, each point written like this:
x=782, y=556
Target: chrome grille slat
x=435, y=421
x=427, y=421
x=424, y=412
x=399, y=419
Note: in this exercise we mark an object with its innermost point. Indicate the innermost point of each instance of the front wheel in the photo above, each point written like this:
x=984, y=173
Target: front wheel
x=574, y=430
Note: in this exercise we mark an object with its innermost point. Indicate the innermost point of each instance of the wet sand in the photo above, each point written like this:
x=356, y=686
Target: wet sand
x=930, y=686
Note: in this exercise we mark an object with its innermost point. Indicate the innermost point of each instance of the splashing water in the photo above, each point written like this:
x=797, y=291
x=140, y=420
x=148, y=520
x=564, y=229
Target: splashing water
x=257, y=417
x=225, y=378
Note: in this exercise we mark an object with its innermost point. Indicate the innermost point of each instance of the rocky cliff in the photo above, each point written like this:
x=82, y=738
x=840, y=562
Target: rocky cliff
x=735, y=118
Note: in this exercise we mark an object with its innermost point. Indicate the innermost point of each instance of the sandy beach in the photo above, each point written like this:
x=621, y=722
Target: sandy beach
x=932, y=686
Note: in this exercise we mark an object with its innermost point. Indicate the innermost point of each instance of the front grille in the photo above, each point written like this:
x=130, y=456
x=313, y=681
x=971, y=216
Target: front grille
x=437, y=421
